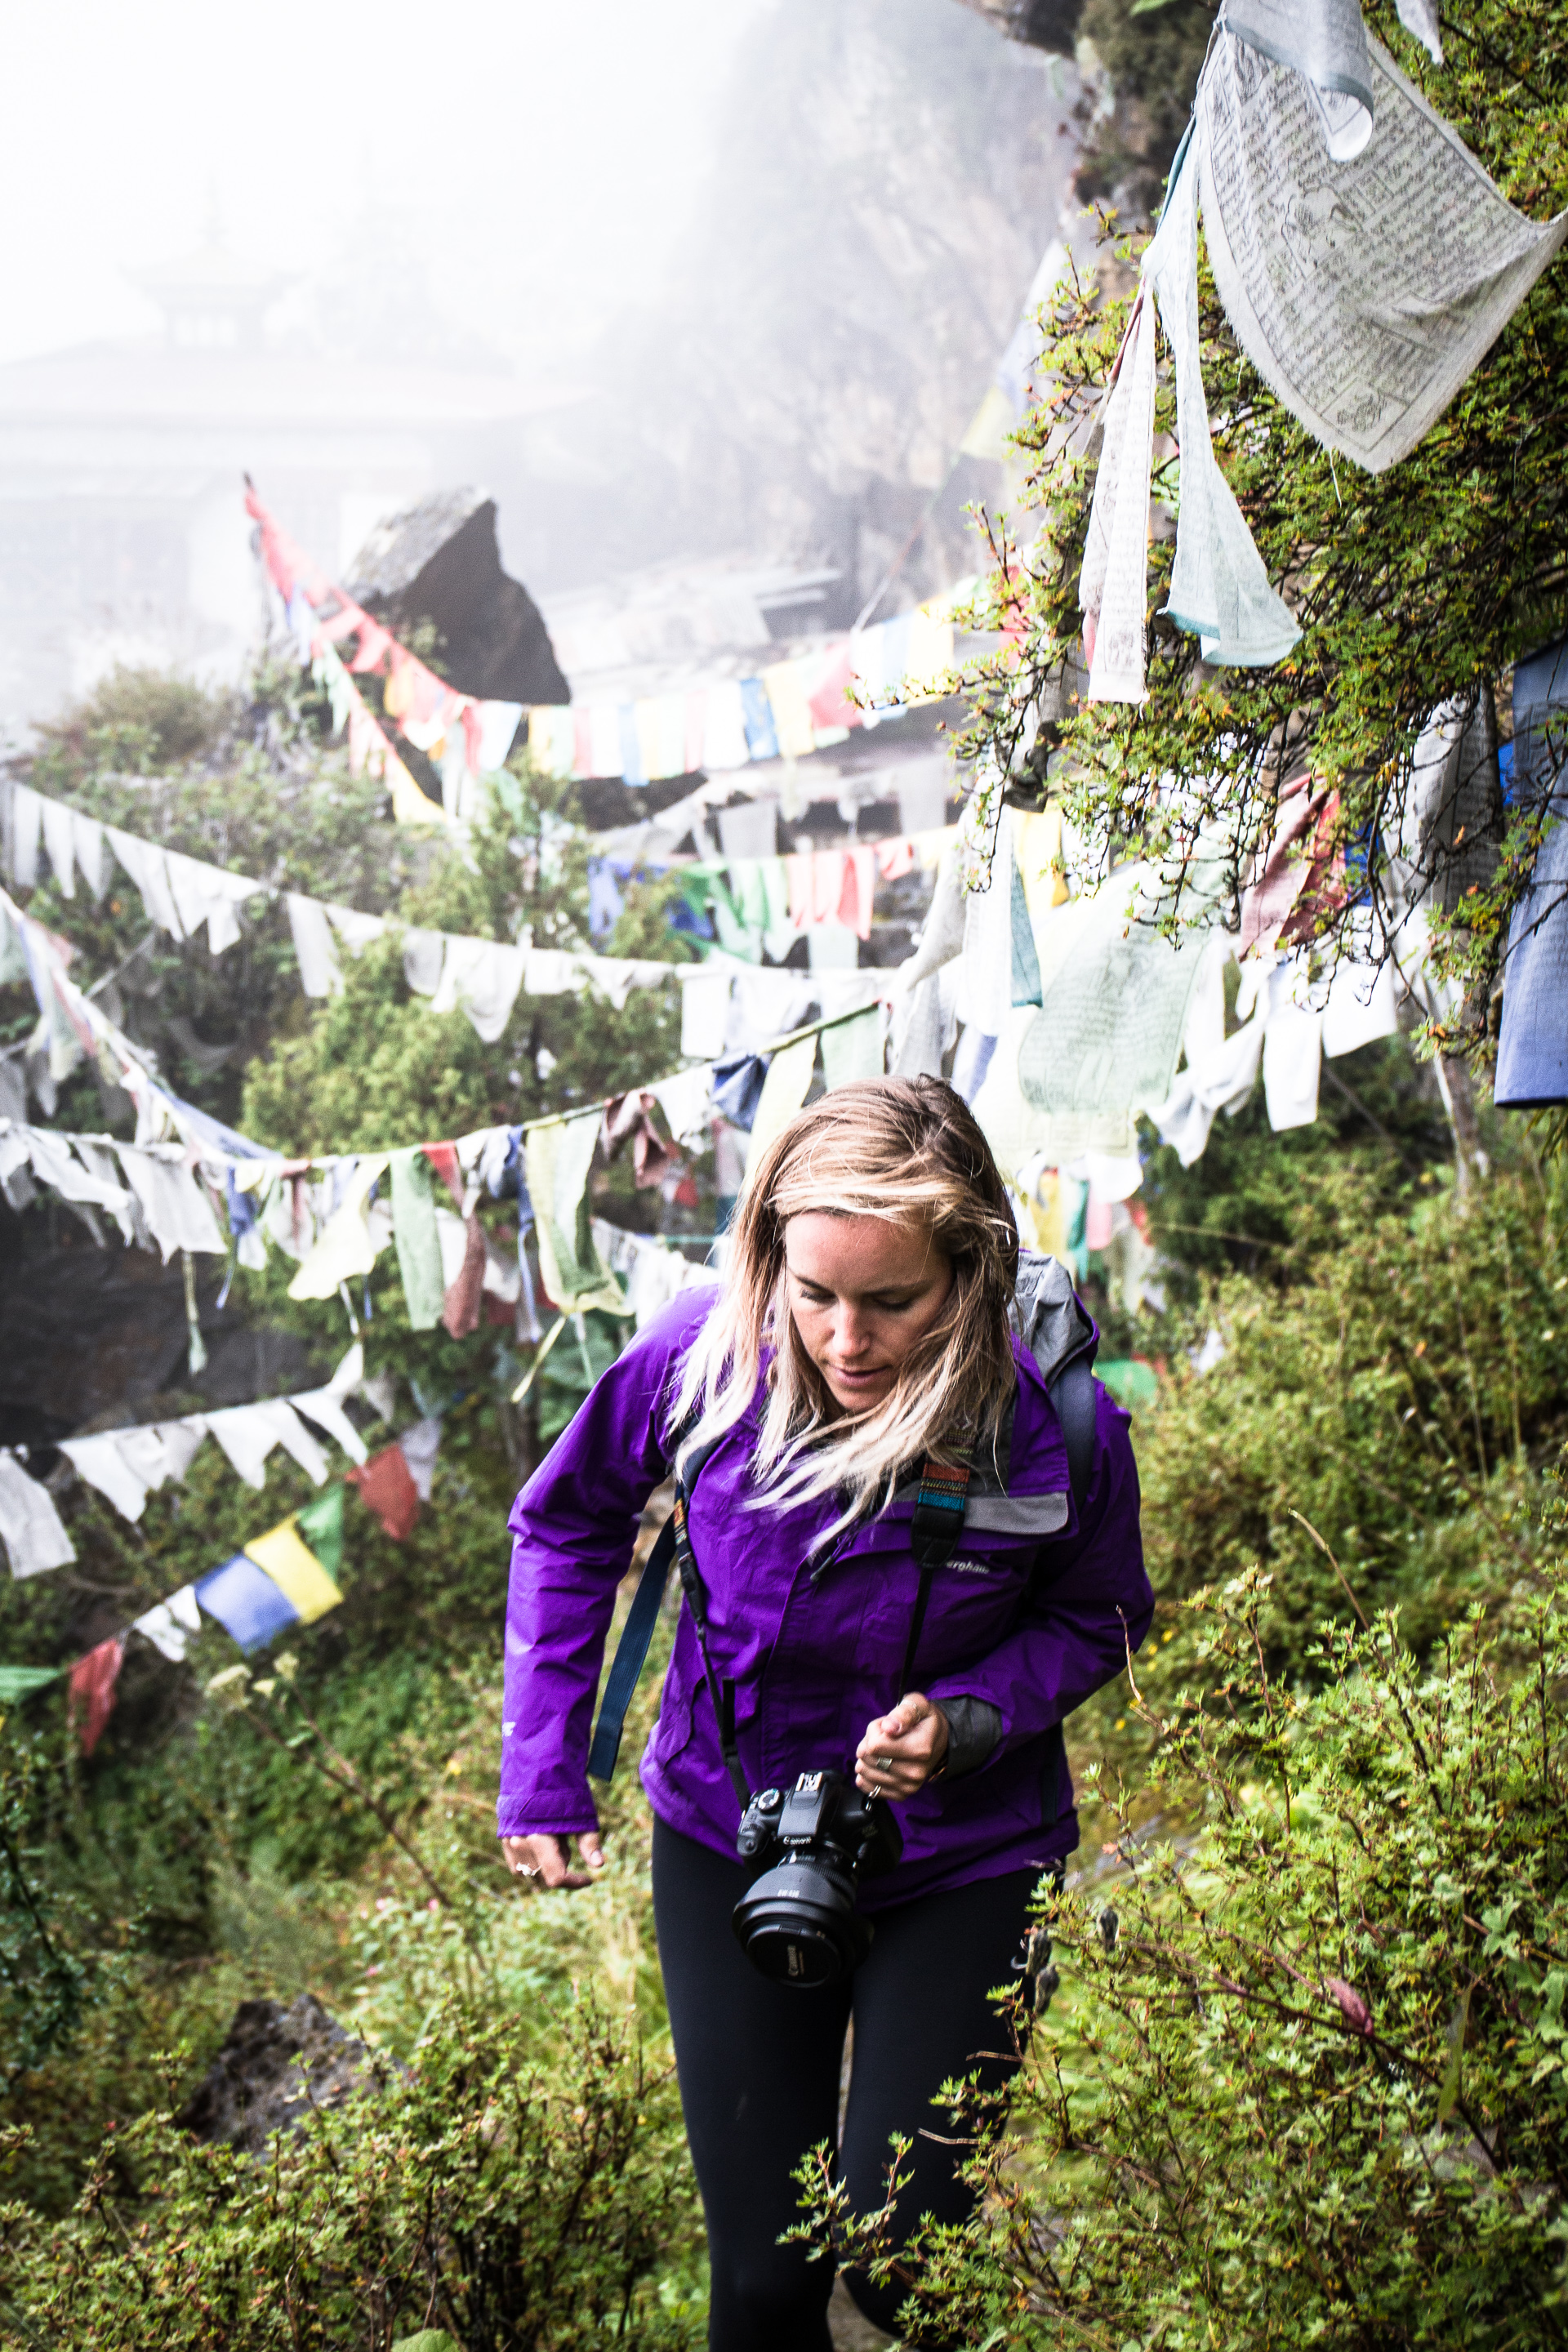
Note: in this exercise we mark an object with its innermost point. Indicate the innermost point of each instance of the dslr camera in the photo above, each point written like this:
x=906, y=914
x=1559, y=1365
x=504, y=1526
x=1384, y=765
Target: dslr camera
x=798, y=1921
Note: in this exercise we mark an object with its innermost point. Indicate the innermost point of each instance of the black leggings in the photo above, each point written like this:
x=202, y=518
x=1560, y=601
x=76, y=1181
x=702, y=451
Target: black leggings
x=759, y=2065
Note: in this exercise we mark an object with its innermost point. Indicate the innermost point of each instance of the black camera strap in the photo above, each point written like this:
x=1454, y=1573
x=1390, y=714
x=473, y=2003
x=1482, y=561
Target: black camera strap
x=721, y=1693
x=935, y=1531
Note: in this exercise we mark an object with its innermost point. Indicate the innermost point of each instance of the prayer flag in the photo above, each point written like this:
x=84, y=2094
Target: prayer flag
x=250, y=1605
x=295, y=1572
x=92, y=1681
x=386, y=1487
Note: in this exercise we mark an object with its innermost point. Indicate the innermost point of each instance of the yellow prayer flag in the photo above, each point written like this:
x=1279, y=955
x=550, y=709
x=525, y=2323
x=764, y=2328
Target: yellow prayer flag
x=409, y=805
x=1037, y=846
x=928, y=658
x=785, y=1089
x=792, y=722
x=345, y=1245
x=284, y=1556
x=991, y=428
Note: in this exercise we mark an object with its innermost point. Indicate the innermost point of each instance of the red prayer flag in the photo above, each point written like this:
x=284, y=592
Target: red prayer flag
x=386, y=1487
x=830, y=706
x=443, y=1158
x=460, y=1308
x=92, y=1681
x=374, y=641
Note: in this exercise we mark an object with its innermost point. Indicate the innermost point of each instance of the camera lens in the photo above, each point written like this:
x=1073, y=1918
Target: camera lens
x=798, y=1924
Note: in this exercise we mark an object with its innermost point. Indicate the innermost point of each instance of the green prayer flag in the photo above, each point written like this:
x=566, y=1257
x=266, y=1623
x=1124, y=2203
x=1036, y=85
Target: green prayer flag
x=785, y=1089
x=1027, y=987
x=320, y=1524
x=556, y=1159
x=853, y=1049
x=16, y=1682
x=1114, y=1003
x=418, y=1243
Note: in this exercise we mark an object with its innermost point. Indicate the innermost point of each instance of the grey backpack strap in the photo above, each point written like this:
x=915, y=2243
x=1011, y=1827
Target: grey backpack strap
x=1077, y=1408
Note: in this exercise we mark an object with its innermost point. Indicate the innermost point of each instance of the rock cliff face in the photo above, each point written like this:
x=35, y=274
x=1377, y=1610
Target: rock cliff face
x=1147, y=61
x=1043, y=23
x=889, y=175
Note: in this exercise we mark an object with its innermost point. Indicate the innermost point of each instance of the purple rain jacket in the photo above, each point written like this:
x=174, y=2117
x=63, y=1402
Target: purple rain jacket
x=1034, y=1611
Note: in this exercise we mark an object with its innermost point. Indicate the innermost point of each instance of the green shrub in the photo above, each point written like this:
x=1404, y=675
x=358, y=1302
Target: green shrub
x=1379, y=1400
x=475, y=2190
x=1307, y=2083
x=138, y=718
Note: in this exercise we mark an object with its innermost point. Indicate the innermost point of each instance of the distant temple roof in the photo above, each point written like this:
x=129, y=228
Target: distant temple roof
x=212, y=299
x=125, y=384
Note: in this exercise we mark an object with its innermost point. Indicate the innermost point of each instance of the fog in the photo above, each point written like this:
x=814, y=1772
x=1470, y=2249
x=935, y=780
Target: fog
x=520, y=171
x=715, y=283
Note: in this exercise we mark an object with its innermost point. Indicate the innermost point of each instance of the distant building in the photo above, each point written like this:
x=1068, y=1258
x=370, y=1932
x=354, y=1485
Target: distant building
x=122, y=532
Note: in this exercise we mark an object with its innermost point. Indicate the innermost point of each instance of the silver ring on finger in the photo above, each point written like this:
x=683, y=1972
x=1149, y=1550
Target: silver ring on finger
x=883, y=1763
x=874, y=1790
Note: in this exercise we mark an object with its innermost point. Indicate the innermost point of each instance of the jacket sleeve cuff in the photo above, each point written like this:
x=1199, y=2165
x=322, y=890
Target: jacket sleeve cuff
x=973, y=1729
x=517, y=1820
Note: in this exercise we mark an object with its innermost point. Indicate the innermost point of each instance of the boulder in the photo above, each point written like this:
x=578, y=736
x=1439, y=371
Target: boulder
x=257, y=2083
x=438, y=561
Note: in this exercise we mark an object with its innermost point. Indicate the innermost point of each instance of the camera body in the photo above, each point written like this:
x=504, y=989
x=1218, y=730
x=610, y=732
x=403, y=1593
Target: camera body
x=810, y=1847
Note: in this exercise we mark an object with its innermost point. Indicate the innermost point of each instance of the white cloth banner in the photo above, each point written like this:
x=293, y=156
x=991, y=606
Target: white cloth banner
x=686, y=1102
x=170, y=1624
x=652, y=1274
x=54, y=1164
x=27, y=814
x=355, y=930
x=145, y=865
x=704, y=1013
x=483, y=976
x=208, y=894
x=179, y=1214
x=29, y=1522
x=248, y=1434
x=325, y=1406
x=1362, y=1006
x=1219, y=588
x=59, y=841
x=315, y=949
x=1365, y=290
x=1113, y=585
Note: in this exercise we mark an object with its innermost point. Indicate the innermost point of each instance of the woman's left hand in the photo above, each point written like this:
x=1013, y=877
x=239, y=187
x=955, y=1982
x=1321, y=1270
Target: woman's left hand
x=901, y=1751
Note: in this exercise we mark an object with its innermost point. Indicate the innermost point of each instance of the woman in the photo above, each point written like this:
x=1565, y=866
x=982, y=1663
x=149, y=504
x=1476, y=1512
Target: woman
x=862, y=1330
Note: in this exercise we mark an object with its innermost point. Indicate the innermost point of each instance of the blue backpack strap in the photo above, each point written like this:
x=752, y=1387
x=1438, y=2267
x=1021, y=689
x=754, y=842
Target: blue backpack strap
x=631, y=1655
x=637, y=1633
x=1074, y=1402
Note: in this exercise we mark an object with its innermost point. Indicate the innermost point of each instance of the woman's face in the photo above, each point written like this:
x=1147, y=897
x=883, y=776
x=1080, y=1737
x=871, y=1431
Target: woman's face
x=863, y=1293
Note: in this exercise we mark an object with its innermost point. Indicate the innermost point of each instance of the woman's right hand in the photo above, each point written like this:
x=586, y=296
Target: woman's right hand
x=545, y=1858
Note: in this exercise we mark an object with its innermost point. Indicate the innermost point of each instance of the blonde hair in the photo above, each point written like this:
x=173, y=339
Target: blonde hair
x=907, y=1150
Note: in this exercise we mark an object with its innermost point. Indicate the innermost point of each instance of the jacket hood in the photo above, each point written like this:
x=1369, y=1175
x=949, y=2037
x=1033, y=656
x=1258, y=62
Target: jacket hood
x=1047, y=1316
